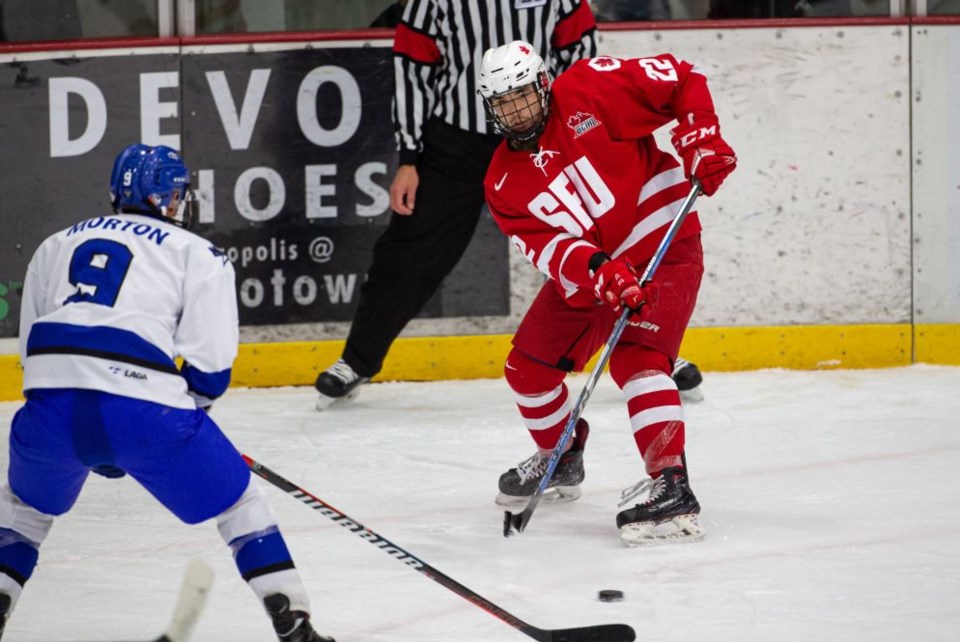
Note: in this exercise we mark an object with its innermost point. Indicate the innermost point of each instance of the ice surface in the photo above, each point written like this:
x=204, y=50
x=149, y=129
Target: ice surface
x=831, y=498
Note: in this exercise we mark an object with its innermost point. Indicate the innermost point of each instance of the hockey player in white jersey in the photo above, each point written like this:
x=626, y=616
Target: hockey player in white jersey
x=108, y=304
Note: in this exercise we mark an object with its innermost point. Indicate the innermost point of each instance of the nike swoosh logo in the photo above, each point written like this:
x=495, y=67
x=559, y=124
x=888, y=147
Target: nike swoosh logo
x=729, y=160
x=500, y=183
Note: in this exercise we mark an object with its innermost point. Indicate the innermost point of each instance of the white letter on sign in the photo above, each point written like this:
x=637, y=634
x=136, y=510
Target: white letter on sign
x=238, y=127
x=307, y=106
x=241, y=194
x=60, y=142
x=152, y=111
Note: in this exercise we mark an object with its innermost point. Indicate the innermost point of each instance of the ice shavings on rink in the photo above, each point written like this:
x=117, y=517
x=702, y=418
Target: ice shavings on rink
x=830, y=499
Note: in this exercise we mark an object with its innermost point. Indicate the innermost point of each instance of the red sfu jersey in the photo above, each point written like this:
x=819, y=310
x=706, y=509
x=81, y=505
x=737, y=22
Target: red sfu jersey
x=599, y=181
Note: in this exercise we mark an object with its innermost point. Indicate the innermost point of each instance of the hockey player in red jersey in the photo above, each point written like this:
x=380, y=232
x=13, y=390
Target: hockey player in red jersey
x=582, y=190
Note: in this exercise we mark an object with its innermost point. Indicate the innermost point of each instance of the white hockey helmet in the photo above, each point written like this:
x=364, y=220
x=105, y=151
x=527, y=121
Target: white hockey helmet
x=504, y=72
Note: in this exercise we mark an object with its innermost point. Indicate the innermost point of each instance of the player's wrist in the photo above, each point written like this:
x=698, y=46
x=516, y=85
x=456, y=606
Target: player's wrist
x=596, y=260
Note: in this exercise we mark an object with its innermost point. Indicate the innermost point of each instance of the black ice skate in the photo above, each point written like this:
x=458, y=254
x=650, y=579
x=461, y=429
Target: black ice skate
x=338, y=383
x=291, y=626
x=688, y=379
x=518, y=484
x=668, y=514
x=4, y=611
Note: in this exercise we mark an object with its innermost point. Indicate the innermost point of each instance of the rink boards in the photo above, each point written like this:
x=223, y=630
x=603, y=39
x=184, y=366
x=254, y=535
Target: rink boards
x=836, y=243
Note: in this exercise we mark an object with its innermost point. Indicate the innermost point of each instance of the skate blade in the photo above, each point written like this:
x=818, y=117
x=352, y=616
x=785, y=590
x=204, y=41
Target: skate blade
x=555, y=495
x=694, y=395
x=324, y=402
x=678, y=530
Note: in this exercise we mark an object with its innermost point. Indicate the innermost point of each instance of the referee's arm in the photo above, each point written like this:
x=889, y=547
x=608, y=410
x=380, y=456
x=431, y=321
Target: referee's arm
x=575, y=35
x=416, y=58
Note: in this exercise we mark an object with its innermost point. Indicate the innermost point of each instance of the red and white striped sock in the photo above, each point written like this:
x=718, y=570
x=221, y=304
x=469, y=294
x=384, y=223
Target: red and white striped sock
x=545, y=415
x=656, y=418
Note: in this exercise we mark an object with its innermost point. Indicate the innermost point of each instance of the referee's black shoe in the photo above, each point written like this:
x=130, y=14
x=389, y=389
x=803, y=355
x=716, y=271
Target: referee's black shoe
x=338, y=383
x=688, y=379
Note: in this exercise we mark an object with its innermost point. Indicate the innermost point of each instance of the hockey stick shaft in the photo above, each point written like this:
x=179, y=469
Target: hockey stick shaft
x=600, y=633
x=514, y=524
x=190, y=602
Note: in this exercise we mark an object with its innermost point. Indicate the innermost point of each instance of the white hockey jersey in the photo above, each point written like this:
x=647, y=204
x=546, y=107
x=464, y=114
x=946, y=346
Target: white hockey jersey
x=110, y=302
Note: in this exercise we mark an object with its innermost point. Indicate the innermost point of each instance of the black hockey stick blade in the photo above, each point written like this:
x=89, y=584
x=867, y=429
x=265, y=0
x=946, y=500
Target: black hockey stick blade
x=514, y=524
x=599, y=633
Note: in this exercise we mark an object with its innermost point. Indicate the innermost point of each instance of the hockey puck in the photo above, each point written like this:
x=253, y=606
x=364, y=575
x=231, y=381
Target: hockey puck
x=610, y=596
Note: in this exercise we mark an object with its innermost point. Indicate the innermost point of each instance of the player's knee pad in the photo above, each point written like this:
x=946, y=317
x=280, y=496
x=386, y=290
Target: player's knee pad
x=250, y=529
x=22, y=518
x=22, y=530
x=526, y=376
x=627, y=361
x=249, y=514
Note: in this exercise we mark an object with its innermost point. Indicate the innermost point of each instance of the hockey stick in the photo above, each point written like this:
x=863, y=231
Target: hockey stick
x=598, y=633
x=193, y=597
x=515, y=524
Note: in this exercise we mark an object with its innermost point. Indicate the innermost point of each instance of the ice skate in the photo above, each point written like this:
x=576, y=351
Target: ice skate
x=338, y=384
x=518, y=484
x=291, y=626
x=4, y=611
x=688, y=379
x=670, y=513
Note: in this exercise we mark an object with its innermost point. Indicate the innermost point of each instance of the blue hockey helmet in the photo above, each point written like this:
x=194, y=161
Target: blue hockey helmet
x=164, y=178
x=146, y=180
x=124, y=179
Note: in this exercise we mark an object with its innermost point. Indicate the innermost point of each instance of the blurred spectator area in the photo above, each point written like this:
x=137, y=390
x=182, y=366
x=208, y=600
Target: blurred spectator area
x=232, y=16
x=620, y=10
x=32, y=20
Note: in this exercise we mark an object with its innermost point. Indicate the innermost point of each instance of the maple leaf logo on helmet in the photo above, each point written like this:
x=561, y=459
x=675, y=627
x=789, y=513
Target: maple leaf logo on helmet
x=524, y=49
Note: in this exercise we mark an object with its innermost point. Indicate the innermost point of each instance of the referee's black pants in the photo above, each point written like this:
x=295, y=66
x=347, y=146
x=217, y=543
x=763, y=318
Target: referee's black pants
x=416, y=252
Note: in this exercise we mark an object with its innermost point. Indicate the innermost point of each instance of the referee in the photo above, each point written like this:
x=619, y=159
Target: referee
x=445, y=146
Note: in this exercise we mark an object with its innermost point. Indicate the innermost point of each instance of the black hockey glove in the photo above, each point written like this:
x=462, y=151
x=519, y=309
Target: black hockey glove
x=108, y=471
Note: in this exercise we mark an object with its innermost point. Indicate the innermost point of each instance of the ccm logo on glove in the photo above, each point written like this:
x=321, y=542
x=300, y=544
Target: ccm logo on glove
x=706, y=156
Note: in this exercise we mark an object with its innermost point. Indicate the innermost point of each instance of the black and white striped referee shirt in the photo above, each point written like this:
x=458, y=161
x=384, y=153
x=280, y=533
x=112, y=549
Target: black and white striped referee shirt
x=439, y=44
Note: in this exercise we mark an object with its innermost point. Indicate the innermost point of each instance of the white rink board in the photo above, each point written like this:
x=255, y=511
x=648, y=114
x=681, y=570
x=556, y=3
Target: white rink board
x=814, y=226
x=936, y=172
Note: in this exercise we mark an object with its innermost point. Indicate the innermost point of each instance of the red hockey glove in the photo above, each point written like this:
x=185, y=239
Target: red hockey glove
x=616, y=283
x=706, y=156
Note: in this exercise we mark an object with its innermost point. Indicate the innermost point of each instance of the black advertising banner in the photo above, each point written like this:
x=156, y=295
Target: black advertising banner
x=62, y=122
x=300, y=150
x=292, y=152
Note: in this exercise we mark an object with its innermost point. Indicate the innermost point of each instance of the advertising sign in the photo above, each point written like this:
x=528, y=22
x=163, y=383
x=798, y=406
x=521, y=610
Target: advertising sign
x=292, y=153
